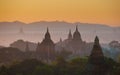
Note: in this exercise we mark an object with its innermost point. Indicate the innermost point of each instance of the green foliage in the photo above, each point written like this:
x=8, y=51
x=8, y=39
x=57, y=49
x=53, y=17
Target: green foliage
x=3, y=70
x=64, y=53
x=74, y=66
x=60, y=61
x=26, y=67
x=43, y=70
x=119, y=58
x=113, y=66
x=77, y=65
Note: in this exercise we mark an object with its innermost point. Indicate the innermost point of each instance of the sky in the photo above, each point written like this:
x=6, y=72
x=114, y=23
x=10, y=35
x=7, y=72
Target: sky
x=85, y=11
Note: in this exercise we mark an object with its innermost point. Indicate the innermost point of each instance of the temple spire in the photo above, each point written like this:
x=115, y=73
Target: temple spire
x=76, y=27
x=70, y=34
x=77, y=35
x=69, y=31
x=96, y=62
x=96, y=41
x=47, y=35
x=47, y=30
x=97, y=55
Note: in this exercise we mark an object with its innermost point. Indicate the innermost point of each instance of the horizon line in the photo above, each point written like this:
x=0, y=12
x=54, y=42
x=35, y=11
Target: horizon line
x=59, y=21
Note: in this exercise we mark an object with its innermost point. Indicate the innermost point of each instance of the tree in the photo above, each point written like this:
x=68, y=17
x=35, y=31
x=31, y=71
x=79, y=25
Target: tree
x=64, y=53
x=43, y=70
x=25, y=67
x=60, y=61
x=119, y=58
x=3, y=70
x=77, y=66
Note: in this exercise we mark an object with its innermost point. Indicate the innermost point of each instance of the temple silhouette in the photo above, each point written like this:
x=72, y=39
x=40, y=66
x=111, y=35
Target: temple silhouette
x=77, y=43
x=46, y=49
x=74, y=43
x=96, y=61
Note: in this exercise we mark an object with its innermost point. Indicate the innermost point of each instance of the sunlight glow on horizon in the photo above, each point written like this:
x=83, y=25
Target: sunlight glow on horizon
x=85, y=11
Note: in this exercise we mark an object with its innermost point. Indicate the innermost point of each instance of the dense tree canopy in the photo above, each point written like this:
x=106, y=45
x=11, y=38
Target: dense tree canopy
x=74, y=66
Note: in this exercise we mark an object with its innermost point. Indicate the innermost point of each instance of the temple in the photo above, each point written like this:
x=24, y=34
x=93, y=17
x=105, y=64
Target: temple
x=96, y=61
x=46, y=49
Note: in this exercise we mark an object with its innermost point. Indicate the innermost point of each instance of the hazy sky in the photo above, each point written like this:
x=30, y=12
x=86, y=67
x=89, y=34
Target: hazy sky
x=86, y=11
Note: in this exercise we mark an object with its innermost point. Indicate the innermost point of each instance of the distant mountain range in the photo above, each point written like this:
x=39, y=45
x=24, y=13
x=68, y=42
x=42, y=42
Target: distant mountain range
x=10, y=31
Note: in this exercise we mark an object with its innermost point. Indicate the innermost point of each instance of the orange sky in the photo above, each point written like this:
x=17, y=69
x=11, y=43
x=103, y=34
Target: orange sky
x=86, y=11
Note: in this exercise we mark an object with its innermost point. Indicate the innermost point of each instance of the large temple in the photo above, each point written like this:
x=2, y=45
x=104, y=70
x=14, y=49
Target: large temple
x=96, y=61
x=77, y=43
x=77, y=35
x=46, y=49
x=96, y=56
x=74, y=43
